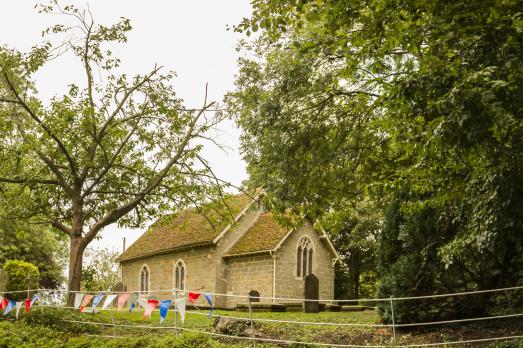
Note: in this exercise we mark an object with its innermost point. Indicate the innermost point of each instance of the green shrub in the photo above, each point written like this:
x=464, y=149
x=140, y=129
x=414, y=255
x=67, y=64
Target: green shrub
x=507, y=344
x=100, y=342
x=187, y=340
x=59, y=319
x=14, y=335
x=21, y=275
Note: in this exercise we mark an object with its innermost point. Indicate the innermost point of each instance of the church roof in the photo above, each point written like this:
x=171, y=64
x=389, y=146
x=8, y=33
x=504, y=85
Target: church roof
x=264, y=235
x=190, y=227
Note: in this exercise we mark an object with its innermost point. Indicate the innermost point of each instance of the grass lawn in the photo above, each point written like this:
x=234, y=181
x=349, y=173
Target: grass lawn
x=53, y=330
x=313, y=333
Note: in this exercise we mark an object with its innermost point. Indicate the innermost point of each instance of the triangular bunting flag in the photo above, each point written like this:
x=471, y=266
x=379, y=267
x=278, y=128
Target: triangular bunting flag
x=164, y=307
x=78, y=300
x=33, y=300
x=3, y=302
x=193, y=296
x=208, y=297
x=108, y=300
x=18, y=306
x=149, y=308
x=97, y=300
x=27, y=304
x=122, y=299
x=10, y=305
x=85, y=302
x=134, y=302
x=180, y=306
x=142, y=302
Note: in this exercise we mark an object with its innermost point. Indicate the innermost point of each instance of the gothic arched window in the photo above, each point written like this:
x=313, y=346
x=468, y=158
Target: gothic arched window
x=304, y=258
x=179, y=275
x=144, y=280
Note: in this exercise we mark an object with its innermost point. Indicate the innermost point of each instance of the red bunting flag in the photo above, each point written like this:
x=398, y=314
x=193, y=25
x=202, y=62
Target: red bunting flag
x=3, y=302
x=193, y=296
x=149, y=308
x=27, y=305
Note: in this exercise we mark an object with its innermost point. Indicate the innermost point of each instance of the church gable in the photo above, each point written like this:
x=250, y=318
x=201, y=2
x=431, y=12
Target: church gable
x=263, y=236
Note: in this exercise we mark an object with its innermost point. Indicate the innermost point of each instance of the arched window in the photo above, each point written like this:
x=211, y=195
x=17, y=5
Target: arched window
x=144, y=280
x=304, y=257
x=179, y=275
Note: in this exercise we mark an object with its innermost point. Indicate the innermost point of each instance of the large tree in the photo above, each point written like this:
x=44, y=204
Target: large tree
x=113, y=149
x=345, y=99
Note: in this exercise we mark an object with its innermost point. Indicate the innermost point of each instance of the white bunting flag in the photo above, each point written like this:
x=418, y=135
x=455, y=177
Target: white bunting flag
x=108, y=300
x=18, y=306
x=142, y=302
x=180, y=306
x=78, y=300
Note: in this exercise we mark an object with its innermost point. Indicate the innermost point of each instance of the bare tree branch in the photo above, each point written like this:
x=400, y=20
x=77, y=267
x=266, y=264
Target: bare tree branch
x=114, y=214
x=30, y=181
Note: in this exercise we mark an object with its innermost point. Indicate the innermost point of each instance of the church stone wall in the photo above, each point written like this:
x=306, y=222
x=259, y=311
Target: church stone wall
x=287, y=283
x=246, y=273
x=199, y=266
x=228, y=239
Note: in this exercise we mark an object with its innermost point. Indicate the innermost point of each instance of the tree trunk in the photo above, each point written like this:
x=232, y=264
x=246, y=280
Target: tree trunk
x=76, y=254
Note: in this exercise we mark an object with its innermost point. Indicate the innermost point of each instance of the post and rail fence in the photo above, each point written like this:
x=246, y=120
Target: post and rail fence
x=57, y=298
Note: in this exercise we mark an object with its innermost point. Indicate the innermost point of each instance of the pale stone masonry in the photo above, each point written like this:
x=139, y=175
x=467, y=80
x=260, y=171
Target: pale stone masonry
x=255, y=253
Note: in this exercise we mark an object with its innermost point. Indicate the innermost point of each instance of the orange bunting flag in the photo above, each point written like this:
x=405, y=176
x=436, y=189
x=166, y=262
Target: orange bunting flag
x=85, y=302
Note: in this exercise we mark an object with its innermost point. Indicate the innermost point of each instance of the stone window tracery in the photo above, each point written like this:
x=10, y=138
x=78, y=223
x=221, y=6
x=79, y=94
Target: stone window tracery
x=304, y=257
x=144, y=280
x=179, y=275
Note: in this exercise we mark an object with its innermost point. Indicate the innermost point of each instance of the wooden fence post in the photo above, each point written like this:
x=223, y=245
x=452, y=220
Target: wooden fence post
x=252, y=323
x=393, y=321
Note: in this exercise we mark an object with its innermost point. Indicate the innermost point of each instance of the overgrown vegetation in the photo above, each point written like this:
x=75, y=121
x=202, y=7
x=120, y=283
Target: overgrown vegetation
x=47, y=252
x=49, y=328
x=413, y=106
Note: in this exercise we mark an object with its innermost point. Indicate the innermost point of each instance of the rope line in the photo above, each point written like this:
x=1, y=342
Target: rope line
x=170, y=291
x=318, y=323
x=322, y=323
x=460, y=320
x=301, y=342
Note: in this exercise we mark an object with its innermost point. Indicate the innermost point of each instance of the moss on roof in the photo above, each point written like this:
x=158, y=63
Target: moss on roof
x=264, y=235
x=188, y=227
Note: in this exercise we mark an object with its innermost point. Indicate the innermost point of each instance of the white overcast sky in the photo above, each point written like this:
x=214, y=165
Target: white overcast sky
x=187, y=36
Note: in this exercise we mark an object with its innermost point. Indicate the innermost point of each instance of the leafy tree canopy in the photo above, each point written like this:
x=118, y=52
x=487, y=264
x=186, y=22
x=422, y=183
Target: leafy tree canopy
x=342, y=100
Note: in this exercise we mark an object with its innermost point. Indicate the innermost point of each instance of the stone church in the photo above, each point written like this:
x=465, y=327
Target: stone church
x=201, y=250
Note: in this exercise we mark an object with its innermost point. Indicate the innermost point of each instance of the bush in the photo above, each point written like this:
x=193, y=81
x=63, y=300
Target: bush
x=14, y=335
x=59, y=319
x=187, y=340
x=507, y=344
x=99, y=342
x=21, y=275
